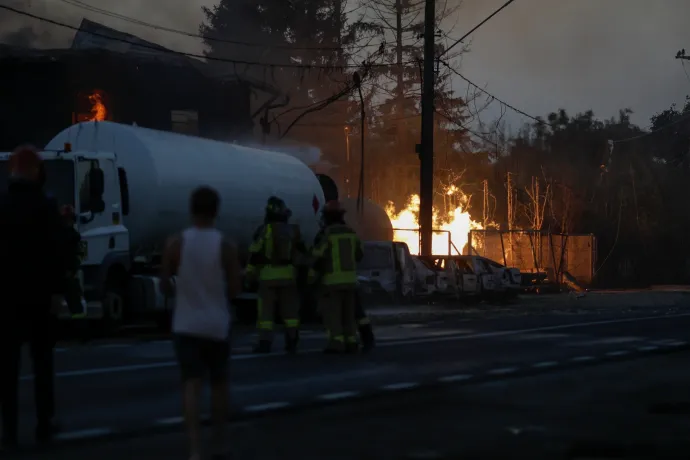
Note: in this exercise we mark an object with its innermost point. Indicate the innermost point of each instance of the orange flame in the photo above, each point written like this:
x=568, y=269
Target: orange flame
x=98, y=109
x=457, y=222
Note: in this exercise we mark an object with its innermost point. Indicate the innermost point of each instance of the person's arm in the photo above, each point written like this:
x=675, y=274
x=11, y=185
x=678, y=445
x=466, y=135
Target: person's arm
x=171, y=262
x=231, y=265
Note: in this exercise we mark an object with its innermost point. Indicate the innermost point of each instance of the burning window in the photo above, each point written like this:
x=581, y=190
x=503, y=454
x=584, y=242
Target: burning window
x=92, y=106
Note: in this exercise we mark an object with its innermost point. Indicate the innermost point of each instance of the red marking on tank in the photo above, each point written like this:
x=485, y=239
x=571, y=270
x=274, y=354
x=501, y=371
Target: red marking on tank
x=315, y=204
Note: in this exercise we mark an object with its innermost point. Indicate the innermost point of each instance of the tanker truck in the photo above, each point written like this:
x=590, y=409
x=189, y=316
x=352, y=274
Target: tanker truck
x=130, y=187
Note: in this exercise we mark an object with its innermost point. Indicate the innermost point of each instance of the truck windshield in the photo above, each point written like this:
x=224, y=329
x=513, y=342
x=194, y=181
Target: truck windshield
x=376, y=257
x=59, y=180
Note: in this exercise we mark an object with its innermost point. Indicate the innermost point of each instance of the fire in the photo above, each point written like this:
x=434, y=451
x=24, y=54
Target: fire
x=98, y=110
x=457, y=223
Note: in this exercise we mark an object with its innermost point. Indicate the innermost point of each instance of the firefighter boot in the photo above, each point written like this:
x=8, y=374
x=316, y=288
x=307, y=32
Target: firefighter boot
x=366, y=335
x=264, y=346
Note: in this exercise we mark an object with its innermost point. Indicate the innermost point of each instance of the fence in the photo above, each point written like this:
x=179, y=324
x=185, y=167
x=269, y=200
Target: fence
x=539, y=252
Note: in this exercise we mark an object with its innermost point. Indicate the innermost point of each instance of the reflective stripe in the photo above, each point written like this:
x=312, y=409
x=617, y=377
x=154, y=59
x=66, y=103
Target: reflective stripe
x=364, y=321
x=274, y=236
x=291, y=323
x=336, y=250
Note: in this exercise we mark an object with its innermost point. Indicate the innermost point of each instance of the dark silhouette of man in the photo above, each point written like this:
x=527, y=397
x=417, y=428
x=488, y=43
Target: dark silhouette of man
x=30, y=250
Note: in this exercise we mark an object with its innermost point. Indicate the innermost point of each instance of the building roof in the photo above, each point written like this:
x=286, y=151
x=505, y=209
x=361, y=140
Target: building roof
x=92, y=35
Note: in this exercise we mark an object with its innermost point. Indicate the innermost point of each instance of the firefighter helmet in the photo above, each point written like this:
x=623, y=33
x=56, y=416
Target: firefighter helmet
x=333, y=207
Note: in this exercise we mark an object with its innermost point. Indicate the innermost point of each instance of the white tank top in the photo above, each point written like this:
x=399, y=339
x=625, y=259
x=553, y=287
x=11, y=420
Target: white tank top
x=201, y=305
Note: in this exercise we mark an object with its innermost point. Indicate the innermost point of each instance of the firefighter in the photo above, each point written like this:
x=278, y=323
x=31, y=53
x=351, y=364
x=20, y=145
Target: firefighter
x=276, y=249
x=336, y=253
x=72, y=290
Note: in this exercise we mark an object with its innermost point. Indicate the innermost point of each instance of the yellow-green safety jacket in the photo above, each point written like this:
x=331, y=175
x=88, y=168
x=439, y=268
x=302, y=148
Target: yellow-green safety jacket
x=336, y=251
x=273, y=253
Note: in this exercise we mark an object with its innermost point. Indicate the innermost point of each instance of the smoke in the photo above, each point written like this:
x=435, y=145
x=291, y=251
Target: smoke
x=537, y=54
x=185, y=15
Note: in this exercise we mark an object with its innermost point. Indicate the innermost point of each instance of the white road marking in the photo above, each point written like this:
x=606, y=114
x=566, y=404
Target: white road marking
x=337, y=396
x=603, y=341
x=400, y=386
x=675, y=343
x=83, y=434
x=617, y=353
x=582, y=359
x=481, y=335
x=170, y=421
x=502, y=371
x=115, y=345
x=544, y=364
x=541, y=336
x=455, y=378
x=267, y=406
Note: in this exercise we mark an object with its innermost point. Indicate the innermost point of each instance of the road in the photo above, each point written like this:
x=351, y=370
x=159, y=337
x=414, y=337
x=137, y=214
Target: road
x=134, y=387
x=633, y=409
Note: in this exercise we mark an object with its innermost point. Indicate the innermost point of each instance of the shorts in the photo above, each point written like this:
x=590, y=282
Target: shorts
x=198, y=357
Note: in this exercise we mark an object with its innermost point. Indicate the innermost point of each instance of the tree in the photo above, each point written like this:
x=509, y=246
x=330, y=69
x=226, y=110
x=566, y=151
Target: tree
x=296, y=32
x=395, y=119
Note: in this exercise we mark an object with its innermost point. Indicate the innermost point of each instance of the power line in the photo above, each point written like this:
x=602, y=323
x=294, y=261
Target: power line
x=487, y=19
x=545, y=123
x=192, y=55
x=457, y=123
x=112, y=14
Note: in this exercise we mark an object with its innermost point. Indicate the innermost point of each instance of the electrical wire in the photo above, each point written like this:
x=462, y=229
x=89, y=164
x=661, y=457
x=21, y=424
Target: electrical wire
x=112, y=14
x=192, y=55
x=545, y=123
x=474, y=29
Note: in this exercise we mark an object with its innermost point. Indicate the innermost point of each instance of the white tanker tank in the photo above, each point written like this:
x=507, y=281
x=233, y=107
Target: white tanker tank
x=162, y=168
x=146, y=179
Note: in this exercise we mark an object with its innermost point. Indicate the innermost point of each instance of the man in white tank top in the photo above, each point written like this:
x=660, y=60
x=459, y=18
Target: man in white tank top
x=208, y=276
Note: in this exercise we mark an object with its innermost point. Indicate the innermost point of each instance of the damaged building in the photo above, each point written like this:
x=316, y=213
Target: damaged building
x=110, y=75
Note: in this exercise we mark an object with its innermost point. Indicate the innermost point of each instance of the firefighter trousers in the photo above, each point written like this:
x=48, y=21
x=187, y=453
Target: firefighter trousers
x=287, y=299
x=338, y=311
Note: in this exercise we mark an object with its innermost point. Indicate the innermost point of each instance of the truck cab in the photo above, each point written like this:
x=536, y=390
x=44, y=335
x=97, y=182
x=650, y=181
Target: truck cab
x=92, y=184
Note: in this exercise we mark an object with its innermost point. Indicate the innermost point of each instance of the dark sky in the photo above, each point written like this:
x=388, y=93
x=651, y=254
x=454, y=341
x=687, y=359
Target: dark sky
x=538, y=55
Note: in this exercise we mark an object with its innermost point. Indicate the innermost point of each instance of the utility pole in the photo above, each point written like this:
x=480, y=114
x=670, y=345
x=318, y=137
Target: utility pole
x=426, y=150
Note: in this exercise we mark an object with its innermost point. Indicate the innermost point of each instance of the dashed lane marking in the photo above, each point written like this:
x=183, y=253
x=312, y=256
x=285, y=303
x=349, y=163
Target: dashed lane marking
x=84, y=434
x=343, y=395
x=400, y=386
x=617, y=353
x=267, y=407
x=455, y=378
x=545, y=364
x=337, y=396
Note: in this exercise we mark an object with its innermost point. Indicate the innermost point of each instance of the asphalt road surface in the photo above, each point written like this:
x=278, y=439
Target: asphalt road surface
x=130, y=387
x=634, y=409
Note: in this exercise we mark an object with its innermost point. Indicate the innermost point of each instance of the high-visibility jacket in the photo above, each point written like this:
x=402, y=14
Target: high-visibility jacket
x=336, y=251
x=274, y=251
